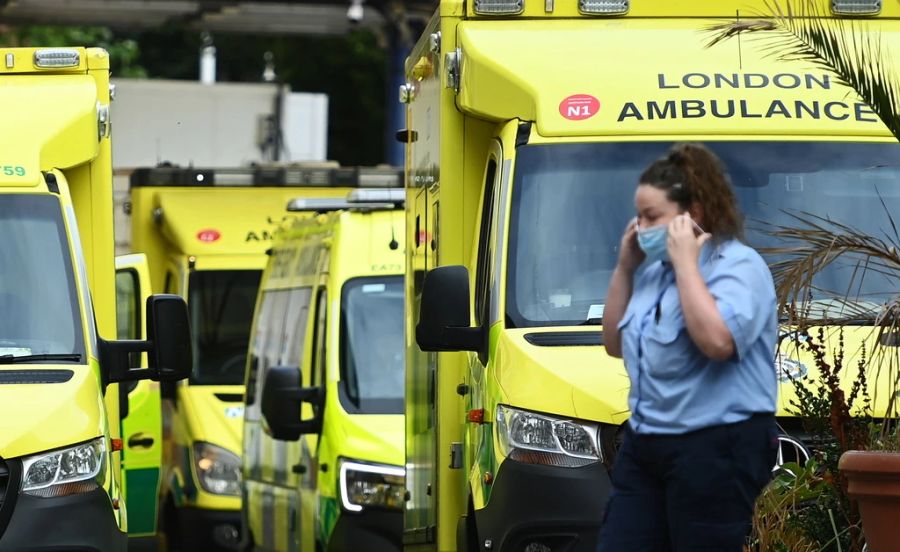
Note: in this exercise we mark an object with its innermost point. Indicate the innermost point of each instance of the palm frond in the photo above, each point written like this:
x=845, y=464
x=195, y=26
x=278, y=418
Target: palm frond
x=854, y=55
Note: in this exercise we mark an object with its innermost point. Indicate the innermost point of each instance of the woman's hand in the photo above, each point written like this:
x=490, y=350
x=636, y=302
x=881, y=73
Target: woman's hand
x=630, y=254
x=684, y=244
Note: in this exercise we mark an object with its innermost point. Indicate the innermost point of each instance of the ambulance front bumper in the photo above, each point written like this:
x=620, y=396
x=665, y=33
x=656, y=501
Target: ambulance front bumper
x=535, y=507
x=82, y=522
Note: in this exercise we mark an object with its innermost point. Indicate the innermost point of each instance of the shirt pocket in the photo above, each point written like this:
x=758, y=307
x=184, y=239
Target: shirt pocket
x=667, y=351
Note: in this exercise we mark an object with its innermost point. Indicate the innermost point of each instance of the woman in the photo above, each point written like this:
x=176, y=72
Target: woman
x=697, y=330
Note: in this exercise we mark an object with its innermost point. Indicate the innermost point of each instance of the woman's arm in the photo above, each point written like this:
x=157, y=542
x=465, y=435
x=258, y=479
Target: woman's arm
x=701, y=315
x=620, y=287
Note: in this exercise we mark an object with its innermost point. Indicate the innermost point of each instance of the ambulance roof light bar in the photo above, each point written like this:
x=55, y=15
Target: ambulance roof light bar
x=313, y=175
x=856, y=7
x=499, y=7
x=364, y=200
x=603, y=7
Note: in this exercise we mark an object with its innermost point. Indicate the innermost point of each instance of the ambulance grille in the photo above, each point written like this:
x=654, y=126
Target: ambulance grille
x=6, y=495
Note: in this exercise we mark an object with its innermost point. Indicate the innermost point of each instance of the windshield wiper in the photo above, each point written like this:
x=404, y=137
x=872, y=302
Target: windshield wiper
x=592, y=322
x=62, y=357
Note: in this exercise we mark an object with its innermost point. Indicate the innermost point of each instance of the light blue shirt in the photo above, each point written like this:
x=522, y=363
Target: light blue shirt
x=675, y=388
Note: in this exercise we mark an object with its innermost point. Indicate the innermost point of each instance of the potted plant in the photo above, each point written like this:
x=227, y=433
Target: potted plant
x=869, y=465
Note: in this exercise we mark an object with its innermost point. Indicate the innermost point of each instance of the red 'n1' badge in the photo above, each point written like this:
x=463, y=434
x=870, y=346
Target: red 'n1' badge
x=579, y=107
x=209, y=235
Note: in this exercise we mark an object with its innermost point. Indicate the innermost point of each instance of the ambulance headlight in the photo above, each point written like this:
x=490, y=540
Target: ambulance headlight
x=72, y=470
x=218, y=470
x=535, y=438
x=371, y=485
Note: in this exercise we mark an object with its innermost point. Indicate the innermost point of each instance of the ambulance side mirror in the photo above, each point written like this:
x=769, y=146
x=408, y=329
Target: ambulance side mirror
x=444, y=316
x=282, y=403
x=168, y=345
x=169, y=330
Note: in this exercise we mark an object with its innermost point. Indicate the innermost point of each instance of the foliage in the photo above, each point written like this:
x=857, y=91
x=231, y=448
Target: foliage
x=854, y=55
x=782, y=510
x=797, y=31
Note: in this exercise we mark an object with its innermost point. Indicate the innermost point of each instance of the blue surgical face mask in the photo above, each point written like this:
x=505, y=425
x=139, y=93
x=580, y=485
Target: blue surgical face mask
x=652, y=242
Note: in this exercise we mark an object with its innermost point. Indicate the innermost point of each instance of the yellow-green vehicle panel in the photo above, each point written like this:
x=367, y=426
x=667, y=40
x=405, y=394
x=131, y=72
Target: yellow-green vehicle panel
x=60, y=362
x=318, y=272
x=142, y=416
x=207, y=242
x=530, y=131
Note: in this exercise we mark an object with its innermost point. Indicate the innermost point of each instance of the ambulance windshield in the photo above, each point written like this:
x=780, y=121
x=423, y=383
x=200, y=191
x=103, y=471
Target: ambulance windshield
x=372, y=346
x=571, y=202
x=39, y=312
x=221, y=306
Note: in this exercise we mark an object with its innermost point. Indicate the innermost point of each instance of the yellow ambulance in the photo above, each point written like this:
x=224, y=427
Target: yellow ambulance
x=61, y=367
x=528, y=125
x=323, y=441
x=205, y=233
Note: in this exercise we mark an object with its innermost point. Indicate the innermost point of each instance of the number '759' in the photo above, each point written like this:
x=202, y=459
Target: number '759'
x=10, y=170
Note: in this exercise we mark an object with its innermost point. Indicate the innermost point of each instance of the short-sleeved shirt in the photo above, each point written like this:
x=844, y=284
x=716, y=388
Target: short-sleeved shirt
x=675, y=388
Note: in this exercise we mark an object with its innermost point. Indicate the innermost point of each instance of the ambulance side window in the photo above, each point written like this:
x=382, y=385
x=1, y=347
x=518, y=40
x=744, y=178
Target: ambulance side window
x=320, y=332
x=296, y=319
x=257, y=346
x=482, y=275
x=128, y=304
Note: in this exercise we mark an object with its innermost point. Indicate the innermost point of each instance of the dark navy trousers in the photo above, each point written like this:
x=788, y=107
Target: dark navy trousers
x=690, y=492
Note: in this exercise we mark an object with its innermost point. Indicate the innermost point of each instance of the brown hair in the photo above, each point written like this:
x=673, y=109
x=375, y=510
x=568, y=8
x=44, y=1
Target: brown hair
x=691, y=174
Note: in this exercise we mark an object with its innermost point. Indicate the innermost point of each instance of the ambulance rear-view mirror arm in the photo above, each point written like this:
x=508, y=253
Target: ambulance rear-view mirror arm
x=168, y=345
x=444, y=316
x=282, y=401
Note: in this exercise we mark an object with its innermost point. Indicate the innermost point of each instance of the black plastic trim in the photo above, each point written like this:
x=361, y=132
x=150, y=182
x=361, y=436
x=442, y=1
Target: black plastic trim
x=10, y=476
x=85, y=522
x=369, y=530
x=565, y=339
x=230, y=397
x=523, y=133
x=52, y=184
x=198, y=526
x=561, y=508
x=14, y=377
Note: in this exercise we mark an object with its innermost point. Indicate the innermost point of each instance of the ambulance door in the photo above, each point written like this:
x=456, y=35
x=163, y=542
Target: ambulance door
x=141, y=409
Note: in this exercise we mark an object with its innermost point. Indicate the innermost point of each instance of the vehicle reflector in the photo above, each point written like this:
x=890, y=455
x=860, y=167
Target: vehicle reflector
x=56, y=57
x=856, y=7
x=603, y=7
x=499, y=7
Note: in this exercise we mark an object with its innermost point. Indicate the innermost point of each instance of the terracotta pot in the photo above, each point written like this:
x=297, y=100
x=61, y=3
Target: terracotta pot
x=874, y=481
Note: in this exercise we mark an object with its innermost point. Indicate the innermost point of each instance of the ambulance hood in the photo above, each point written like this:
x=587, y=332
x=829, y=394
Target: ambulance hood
x=35, y=399
x=216, y=414
x=535, y=368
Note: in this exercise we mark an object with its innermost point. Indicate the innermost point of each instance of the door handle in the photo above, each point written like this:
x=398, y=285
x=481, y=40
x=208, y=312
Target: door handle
x=298, y=469
x=140, y=441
